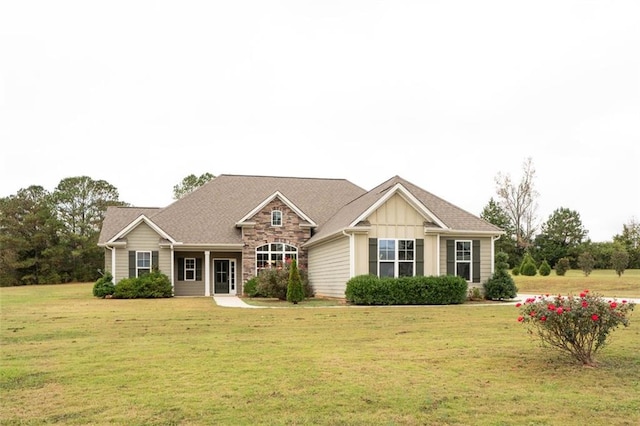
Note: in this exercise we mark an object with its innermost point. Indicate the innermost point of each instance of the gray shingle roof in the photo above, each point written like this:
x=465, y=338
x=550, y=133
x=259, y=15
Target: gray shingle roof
x=453, y=217
x=209, y=214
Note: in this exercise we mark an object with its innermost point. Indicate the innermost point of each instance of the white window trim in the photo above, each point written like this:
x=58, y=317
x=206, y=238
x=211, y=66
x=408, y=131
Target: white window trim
x=284, y=252
x=272, y=217
x=138, y=267
x=397, y=261
x=470, y=261
x=190, y=269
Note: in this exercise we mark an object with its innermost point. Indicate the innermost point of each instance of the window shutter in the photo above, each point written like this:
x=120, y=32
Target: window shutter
x=420, y=256
x=373, y=256
x=198, y=269
x=181, y=269
x=132, y=264
x=154, y=261
x=451, y=257
x=476, y=260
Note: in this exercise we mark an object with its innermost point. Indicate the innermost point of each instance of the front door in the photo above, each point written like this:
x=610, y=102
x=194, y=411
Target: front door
x=224, y=281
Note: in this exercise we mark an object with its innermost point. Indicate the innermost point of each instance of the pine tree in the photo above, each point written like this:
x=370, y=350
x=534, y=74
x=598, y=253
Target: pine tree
x=295, y=293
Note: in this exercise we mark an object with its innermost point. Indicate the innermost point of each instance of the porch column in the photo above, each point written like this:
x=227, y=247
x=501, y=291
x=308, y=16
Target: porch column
x=207, y=273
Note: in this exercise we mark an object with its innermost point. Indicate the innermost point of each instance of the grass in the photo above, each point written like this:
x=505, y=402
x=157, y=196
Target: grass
x=69, y=358
x=605, y=282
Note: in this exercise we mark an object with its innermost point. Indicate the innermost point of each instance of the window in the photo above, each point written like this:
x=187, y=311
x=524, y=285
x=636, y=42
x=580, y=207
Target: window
x=396, y=258
x=276, y=218
x=274, y=255
x=190, y=269
x=143, y=263
x=463, y=259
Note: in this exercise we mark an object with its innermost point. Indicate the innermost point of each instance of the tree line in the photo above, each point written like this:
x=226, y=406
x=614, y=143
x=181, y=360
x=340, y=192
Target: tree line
x=51, y=237
x=561, y=236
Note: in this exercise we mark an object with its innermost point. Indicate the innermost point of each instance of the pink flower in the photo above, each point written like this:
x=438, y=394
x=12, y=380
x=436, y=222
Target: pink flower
x=551, y=307
x=543, y=318
x=595, y=317
x=583, y=294
x=518, y=305
x=624, y=301
x=520, y=318
x=532, y=314
x=613, y=305
x=585, y=304
x=559, y=311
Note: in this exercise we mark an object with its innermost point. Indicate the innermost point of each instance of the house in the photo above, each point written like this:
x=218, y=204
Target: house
x=216, y=238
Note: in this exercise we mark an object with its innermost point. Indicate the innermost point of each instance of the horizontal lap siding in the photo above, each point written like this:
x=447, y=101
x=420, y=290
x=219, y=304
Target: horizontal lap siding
x=189, y=288
x=329, y=268
x=485, y=256
x=142, y=238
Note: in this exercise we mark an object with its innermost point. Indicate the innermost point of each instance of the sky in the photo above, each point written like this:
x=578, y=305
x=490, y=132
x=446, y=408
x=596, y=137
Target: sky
x=446, y=94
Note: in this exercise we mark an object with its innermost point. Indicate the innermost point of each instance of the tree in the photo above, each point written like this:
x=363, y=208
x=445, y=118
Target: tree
x=619, y=261
x=295, y=292
x=495, y=214
x=81, y=203
x=29, y=231
x=519, y=202
x=586, y=262
x=561, y=236
x=630, y=240
x=190, y=184
x=500, y=286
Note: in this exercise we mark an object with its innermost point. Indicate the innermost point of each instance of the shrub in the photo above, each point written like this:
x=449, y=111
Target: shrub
x=149, y=286
x=295, y=293
x=273, y=282
x=544, y=269
x=528, y=266
x=475, y=294
x=515, y=271
x=586, y=262
x=562, y=266
x=577, y=326
x=419, y=290
x=500, y=286
x=104, y=286
x=250, y=288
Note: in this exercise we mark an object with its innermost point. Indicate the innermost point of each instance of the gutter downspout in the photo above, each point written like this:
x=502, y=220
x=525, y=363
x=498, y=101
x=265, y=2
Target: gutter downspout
x=493, y=252
x=173, y=284
x=113, y=262
x=352, y=254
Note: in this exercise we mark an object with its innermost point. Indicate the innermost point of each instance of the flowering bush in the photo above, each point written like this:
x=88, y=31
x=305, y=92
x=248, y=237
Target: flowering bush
x=578, y=326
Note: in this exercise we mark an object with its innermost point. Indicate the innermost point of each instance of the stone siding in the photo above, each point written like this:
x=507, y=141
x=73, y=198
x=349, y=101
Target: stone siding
x=263, y=233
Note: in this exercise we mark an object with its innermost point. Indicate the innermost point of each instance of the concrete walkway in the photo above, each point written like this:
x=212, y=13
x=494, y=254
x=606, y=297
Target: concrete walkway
x=232, y=302
x=237, y=302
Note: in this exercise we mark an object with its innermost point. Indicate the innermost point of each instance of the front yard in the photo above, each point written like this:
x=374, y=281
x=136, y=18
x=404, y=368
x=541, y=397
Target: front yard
x=69, y=358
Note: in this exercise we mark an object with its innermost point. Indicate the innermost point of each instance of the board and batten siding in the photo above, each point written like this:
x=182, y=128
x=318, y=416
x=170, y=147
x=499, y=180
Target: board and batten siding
x=396, y=218
x=141, y=238
x=329, y=267
x=485, y=255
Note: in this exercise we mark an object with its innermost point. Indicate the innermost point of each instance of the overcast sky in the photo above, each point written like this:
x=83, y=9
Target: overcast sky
x=446, y=94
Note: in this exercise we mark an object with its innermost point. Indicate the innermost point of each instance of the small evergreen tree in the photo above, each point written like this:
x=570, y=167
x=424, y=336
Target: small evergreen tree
x=528, y=266
x=586, y=262
x=295, y=293
x=544, y=268
x=562, y=266
x=500, y=286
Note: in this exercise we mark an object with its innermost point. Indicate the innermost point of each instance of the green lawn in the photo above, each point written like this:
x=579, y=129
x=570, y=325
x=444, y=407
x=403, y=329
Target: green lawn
x=69, y=358
x=605, y=282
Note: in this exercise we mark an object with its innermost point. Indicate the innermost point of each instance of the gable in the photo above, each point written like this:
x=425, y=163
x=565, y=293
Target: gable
x=277, y=201
x=396, y=218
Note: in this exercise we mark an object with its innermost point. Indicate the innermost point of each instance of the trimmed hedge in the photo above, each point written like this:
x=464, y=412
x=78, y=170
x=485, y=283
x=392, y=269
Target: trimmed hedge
x=419, y=290
x=149, y=286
